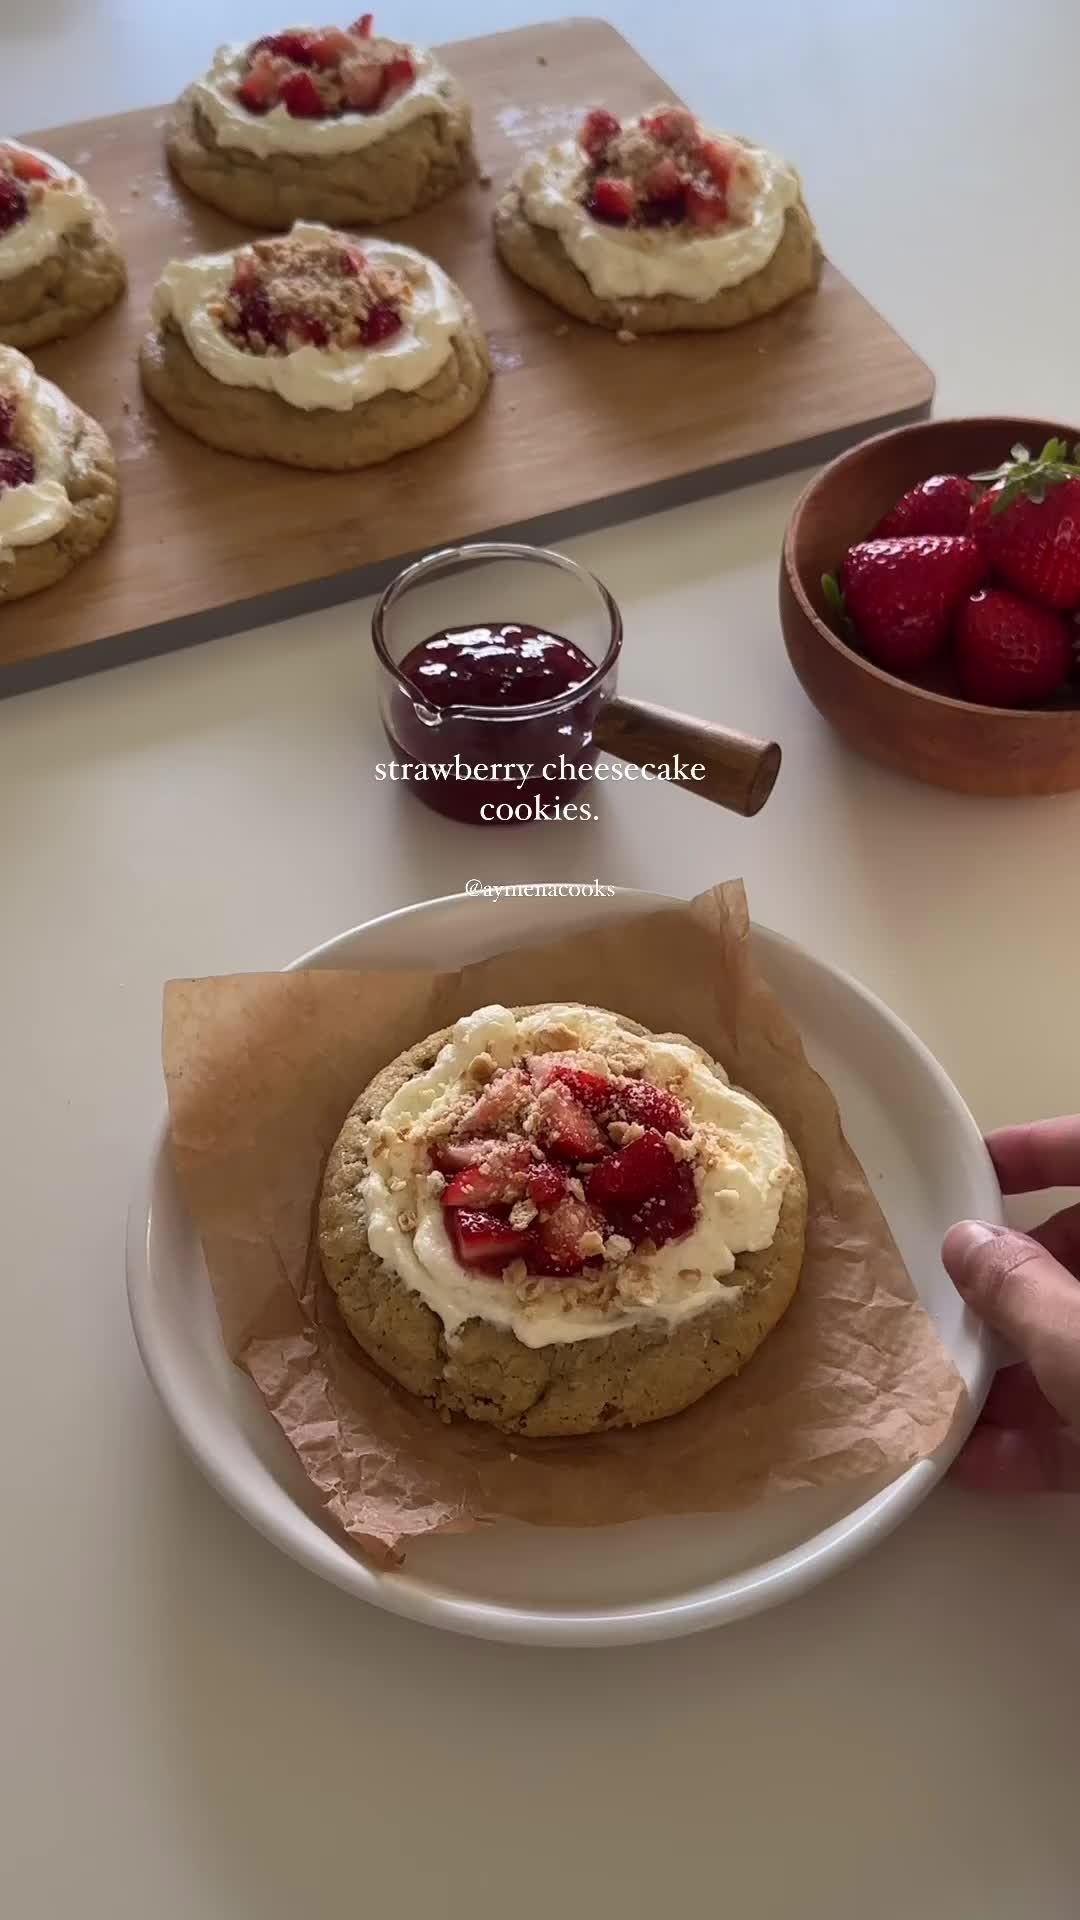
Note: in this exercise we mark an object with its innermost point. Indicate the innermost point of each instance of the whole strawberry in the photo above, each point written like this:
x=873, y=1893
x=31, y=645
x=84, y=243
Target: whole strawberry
x=900, y=595
x=1028, y=523
x=1009, y=652
x=941, y=504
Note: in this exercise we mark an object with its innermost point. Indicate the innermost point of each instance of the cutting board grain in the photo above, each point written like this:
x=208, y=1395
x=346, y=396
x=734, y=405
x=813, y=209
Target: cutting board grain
x=579, y=429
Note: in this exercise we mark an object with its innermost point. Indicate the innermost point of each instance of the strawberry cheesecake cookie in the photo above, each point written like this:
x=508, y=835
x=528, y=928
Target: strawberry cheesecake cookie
x=60, y=264
x=553, y=1221
x=651, y=225
x=322, y=123
x=57, y=481
x=314, y=349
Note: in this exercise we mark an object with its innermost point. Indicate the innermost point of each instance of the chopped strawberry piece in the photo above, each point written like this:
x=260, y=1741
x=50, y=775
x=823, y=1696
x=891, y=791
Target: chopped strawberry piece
x=353, y=262
x=663, y=1216
x=546, y=1185
x=664, y=182
x=313, y=331
x=559, y=1236
x=664, y=213
x=362, y=83
x=501, y=1105
x=719, y=162
x=16, y=467
x=329, y=46
x=380, y=324
x=258, y=91
x=449, y=1155
x=246, y=273
x=256, y=316
x=637, y=1172
x=398, y=74
x=13, y=202
x=294, y=46
x=598, y=129
x=472, y=1187
x=7, y=417
x=706, y=204
x=671, y=125
x=565, y=1128
x=483, y=1240
x=497, y=1180
x=649, y=1106
x=27, y=166
x=612, y=200
x=362, y=27
x=301, y=97
x=592, y=1090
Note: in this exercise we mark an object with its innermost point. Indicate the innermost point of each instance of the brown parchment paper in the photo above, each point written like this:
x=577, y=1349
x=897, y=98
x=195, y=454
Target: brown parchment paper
x=261, y=1070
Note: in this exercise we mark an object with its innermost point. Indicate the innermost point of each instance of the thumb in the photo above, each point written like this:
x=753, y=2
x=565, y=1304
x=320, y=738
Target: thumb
x=1013, y=1284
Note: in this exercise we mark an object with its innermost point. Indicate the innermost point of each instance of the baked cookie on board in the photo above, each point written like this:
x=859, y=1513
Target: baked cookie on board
x=314, y=349
x=60, y=263
x=326, y=123
x=58, y=487
x=656, y=225
x=554, y=1222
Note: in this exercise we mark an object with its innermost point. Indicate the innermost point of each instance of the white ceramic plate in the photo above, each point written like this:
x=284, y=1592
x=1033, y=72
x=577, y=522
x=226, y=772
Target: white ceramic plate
x=923, y=1154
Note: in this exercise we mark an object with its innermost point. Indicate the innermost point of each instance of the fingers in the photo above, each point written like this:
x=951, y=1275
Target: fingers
x=1021, y=1291
x=1044, y=1154
x=1008, y=1460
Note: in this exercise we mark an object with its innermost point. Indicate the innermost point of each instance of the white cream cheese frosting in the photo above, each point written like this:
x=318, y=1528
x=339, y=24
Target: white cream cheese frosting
x=45, y=425
x=279, y=131
x=622, y=263
x=60, y=203
x=310, y=377
x=741, y=1169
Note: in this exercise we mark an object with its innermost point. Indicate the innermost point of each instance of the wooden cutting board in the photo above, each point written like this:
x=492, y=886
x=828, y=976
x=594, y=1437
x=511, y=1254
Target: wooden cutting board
x=579, y=429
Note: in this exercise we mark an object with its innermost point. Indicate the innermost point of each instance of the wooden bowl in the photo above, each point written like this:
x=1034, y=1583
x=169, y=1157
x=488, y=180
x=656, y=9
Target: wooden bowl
x=926, y=731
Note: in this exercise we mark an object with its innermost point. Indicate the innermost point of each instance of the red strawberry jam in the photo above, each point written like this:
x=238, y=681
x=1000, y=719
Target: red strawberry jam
x=496, y=771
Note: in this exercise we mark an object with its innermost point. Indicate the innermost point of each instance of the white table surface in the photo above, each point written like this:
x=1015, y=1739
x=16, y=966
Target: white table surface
x=197, y=1729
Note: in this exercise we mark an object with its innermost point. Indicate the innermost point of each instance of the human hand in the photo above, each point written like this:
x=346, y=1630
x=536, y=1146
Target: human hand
x=1027, y=1287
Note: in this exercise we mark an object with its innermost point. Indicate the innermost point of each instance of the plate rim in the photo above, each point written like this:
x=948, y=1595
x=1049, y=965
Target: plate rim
x=716, y=1603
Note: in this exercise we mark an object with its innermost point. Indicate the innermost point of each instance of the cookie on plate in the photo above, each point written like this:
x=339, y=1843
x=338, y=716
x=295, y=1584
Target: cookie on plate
x=655, y=225
x=322, y=123
x=315, y=349
x=555, y=1222
x=57, y=481
x=60, y=264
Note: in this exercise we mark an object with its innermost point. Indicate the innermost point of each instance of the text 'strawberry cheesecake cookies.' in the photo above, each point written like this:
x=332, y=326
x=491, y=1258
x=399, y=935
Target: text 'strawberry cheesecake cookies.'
x=60, y=264
x=314, y=349
x=57, y=481
x=652, y=225
x=322, y=123
x=554, y=1221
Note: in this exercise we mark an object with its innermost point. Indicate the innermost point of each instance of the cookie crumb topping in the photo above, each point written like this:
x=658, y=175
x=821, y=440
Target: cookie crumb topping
x=289, y=293
x=617, y=1247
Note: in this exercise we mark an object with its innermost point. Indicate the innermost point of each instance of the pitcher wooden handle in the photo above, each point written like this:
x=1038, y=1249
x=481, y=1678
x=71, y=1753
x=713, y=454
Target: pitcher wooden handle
x=735, y=771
